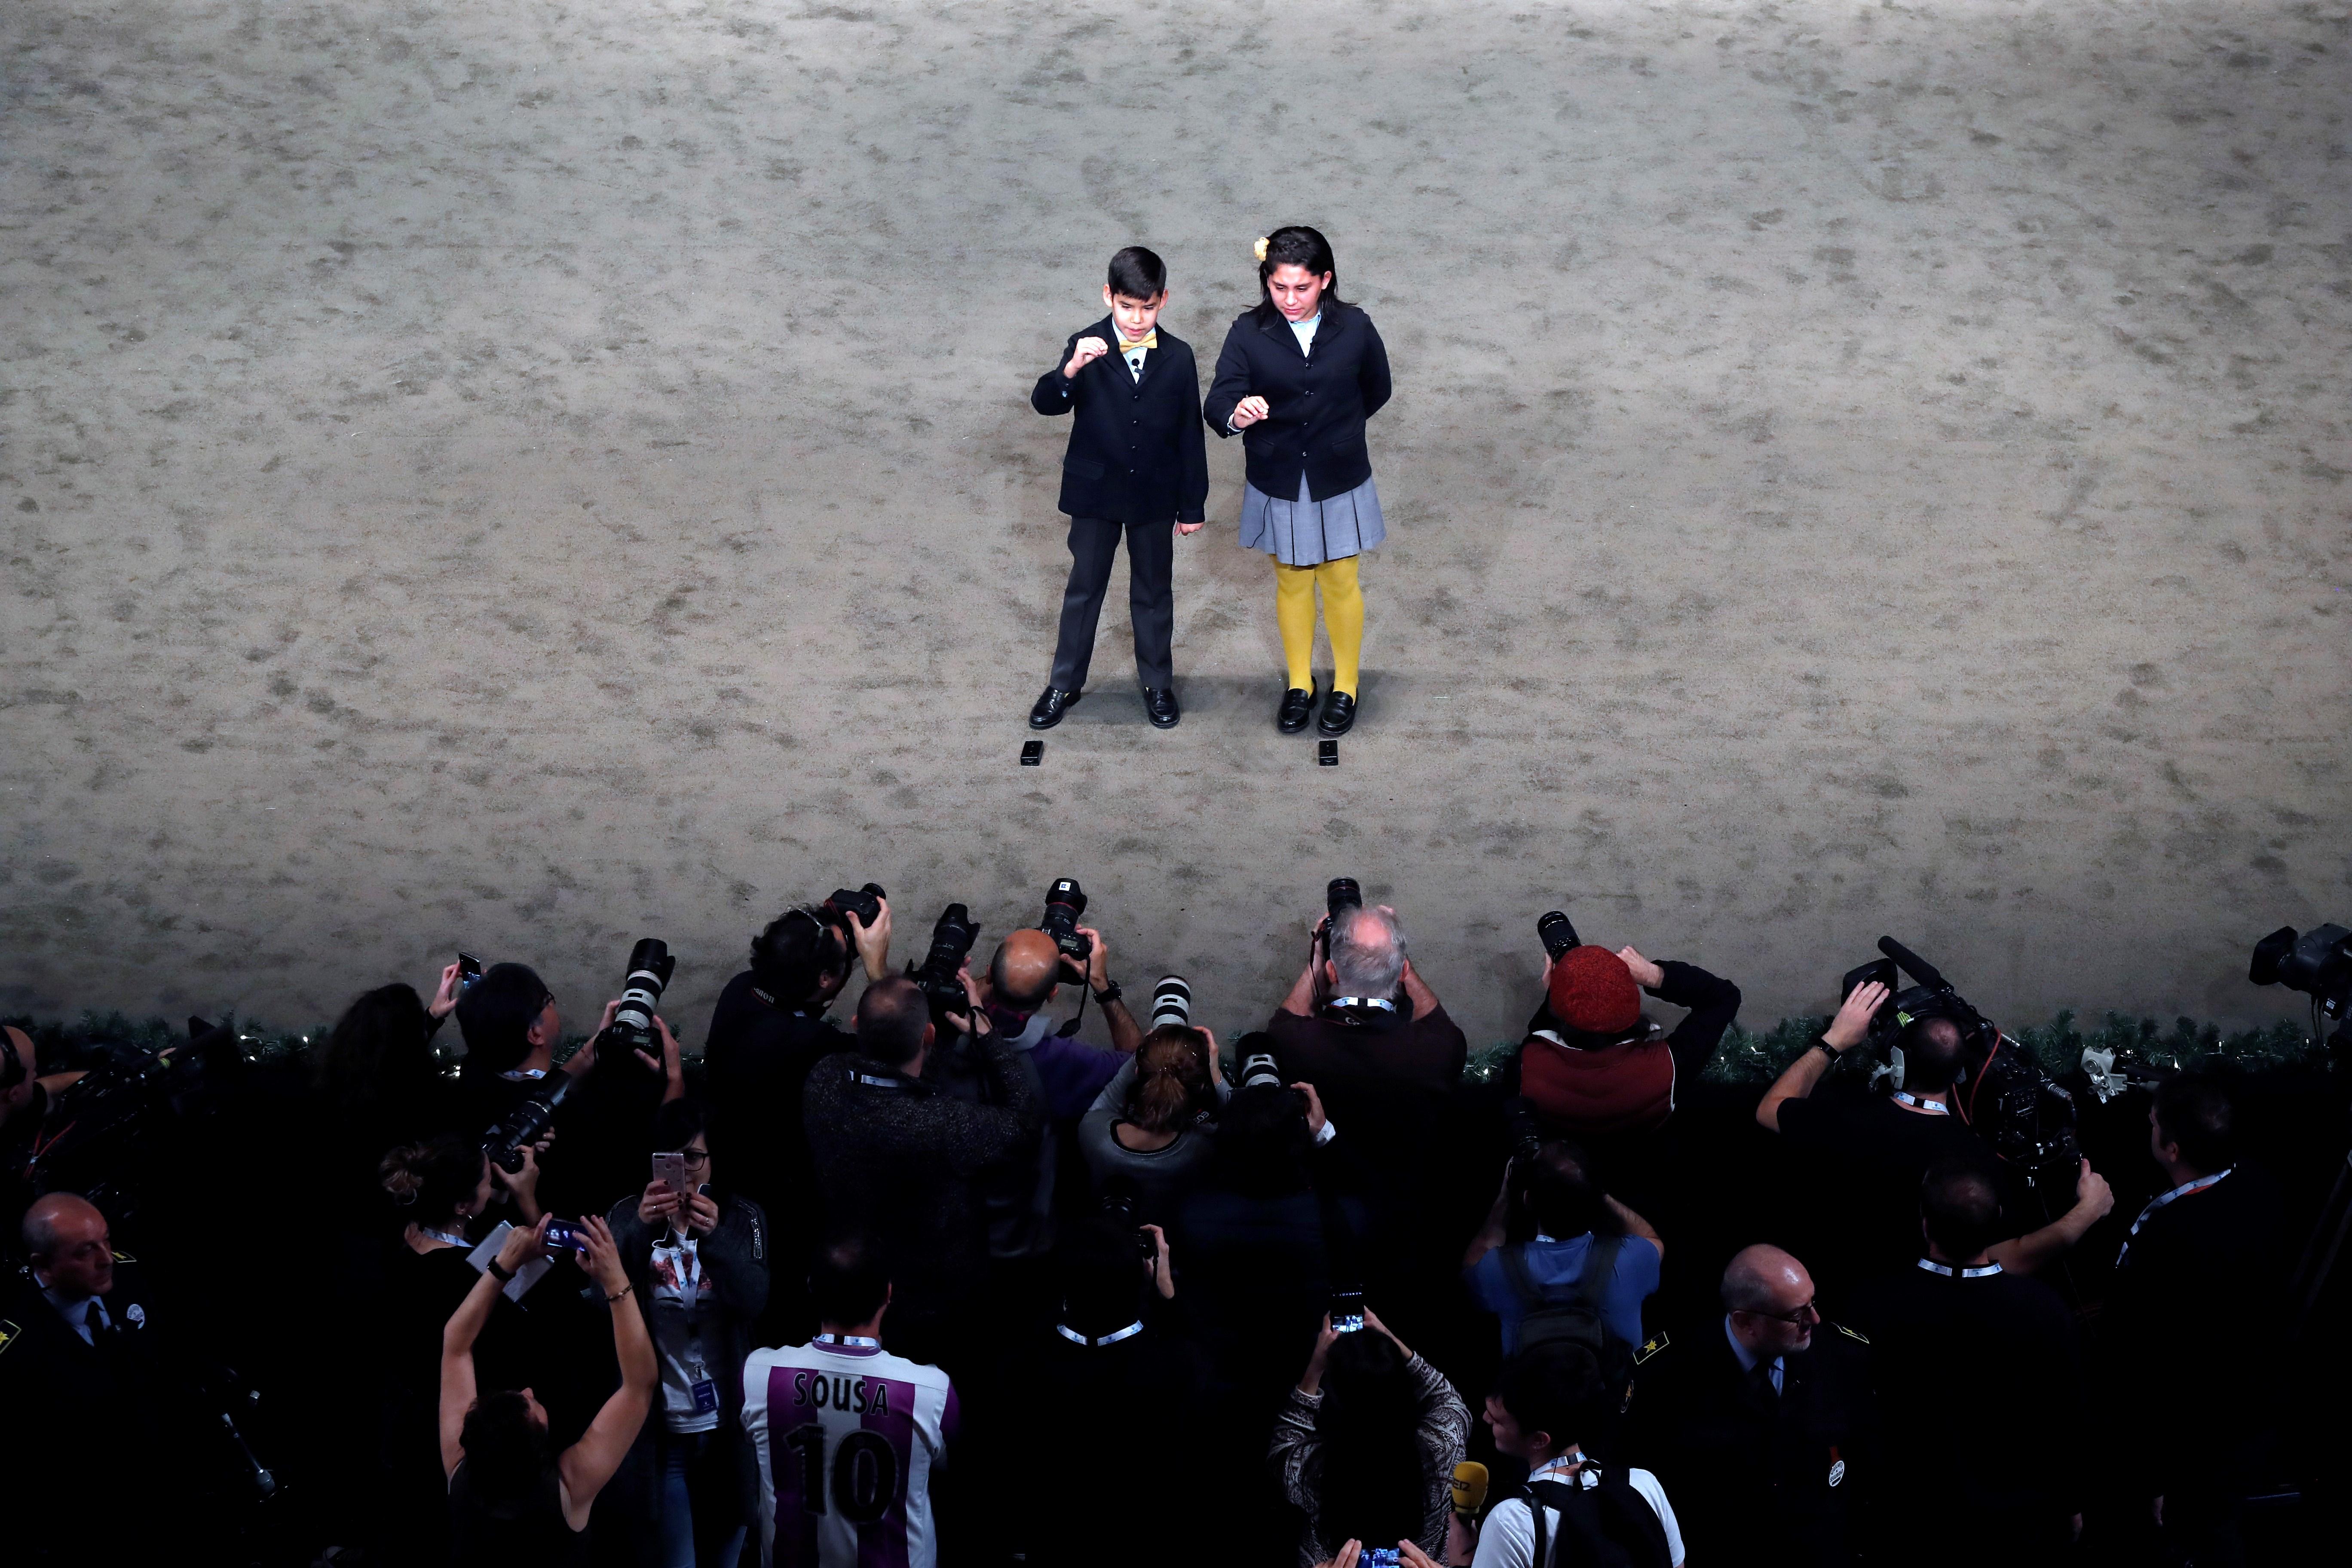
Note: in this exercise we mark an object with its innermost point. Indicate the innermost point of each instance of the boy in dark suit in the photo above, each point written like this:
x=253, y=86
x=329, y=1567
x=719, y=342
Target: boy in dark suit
x=1138, y=461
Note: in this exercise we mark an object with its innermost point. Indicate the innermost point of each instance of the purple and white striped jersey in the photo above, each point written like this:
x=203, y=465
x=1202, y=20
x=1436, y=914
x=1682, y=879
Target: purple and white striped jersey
x=847, y=1436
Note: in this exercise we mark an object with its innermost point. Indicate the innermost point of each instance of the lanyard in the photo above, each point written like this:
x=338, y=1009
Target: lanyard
x=431, y=1235
x=1113, y=1338
x=2182, y=1190
x=1948, y=1272
x=1932, y=1107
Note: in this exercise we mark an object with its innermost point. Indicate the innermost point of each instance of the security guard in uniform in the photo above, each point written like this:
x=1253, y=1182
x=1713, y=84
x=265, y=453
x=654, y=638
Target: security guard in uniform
x=80, y=1395
x=1758, y=1425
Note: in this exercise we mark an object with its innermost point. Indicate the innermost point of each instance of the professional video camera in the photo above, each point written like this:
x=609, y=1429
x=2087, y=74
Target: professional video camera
x=2021, y=1110
x=2317, y=963
x=1065, y=902
x=651, y=964
x=951, y=941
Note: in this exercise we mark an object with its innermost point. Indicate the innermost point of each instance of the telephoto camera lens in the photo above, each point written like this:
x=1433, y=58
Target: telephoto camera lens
x=1259, y=1072
x=1556, y=934
x=650, y=967
x=1342, y=894
x=1065, y=902
x=951, y=940
x=1171, y=1003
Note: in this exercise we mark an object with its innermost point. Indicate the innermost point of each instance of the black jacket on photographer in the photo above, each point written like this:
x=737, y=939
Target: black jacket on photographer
x=900, y=1159
x=736, y=1259
x=758, y=1057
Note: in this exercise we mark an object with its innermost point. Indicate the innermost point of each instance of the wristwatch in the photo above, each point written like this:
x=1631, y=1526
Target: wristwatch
x=1108, y=994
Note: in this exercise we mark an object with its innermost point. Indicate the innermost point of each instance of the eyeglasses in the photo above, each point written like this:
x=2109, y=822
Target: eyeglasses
x=696, y=1158
x=1802, y=1315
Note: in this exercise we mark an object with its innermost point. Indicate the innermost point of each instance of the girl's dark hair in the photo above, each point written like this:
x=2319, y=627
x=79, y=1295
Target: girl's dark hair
x=1172, y=1079
x=1372, y=1487
x=378, y=1051
x=1137, y=274
x=679, y=1122
x=795, y=953
x=506, y=1449
x=429, y=1180
x=1296, y=245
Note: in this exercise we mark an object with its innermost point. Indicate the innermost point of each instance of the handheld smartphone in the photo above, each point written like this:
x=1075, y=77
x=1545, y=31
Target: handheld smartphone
x=1347, y=1311
x=670, y=1171
x=469, y=969
x=562, y=1235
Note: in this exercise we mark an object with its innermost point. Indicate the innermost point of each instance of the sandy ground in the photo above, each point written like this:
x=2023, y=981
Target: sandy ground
x=528, y=475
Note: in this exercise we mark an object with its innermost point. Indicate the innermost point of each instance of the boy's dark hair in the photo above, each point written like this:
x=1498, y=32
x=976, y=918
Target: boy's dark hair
x=891, y=1018
x=1556, y=1389
x=1961, y=1206
x=796, y=954
x=850, y=1280
x=496, y=1014
x=1931, y=1055
x=1296, y=245
x=679, y=1122
x=506, y=1448
x=2193, y=1111
x=1137, y=274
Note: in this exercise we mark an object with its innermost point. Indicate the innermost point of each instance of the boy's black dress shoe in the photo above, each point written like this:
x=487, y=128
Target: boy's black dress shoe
x=1051, y=705
x=1297, y=707
x=1338, y=714
x=1159, y=704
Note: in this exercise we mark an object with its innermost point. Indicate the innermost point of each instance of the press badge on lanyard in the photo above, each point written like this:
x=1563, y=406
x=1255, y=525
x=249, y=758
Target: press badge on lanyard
x=682, y=1263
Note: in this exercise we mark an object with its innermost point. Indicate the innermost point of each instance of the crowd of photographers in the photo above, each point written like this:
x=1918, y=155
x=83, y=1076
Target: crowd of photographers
x=940, y=1276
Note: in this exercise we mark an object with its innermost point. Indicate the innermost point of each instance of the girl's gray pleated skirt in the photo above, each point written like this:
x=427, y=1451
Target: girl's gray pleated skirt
x=1308, y=533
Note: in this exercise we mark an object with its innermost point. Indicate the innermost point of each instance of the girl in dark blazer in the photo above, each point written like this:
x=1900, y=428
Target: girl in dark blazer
x=1300, y=374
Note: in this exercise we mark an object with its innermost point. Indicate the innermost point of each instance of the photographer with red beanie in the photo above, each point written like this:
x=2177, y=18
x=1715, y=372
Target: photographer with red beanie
x=1591, y=1065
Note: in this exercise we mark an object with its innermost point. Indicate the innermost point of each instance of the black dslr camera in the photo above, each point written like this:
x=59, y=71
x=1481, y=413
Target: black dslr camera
x=1065, y=902
x=651, y=964
x=2004, y=1096
x=935, y=975
x=866, y=903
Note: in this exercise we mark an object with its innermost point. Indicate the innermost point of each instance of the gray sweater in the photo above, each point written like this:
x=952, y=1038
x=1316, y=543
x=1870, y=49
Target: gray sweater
x=1164, y=1175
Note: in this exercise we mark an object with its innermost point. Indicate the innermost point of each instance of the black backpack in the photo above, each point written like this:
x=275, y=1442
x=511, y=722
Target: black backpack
x=1607, y=1526
x=1569, y=1314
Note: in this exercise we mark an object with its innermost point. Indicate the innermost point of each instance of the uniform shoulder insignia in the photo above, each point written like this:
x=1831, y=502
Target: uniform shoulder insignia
x=124, y=1257
x=9, y=1332
x=1858, y=1338
x=1651, y=1347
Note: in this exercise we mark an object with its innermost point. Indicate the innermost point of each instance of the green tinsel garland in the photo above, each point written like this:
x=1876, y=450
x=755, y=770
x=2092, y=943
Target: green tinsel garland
x=1746, y=1056
x=1752, y=1058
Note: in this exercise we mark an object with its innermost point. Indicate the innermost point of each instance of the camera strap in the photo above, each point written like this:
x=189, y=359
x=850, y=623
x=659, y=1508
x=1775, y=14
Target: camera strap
x=1919, y=1103
x=868, y=1081
x=1983, y=1272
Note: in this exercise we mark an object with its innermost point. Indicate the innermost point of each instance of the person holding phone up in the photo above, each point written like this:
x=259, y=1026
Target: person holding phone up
x=699, y=1258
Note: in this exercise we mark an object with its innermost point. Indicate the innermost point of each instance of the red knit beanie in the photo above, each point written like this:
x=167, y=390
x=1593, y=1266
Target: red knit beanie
x=1593, y=991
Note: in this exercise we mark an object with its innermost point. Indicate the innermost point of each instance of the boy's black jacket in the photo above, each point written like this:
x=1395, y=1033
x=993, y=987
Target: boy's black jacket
x=1138, y=451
